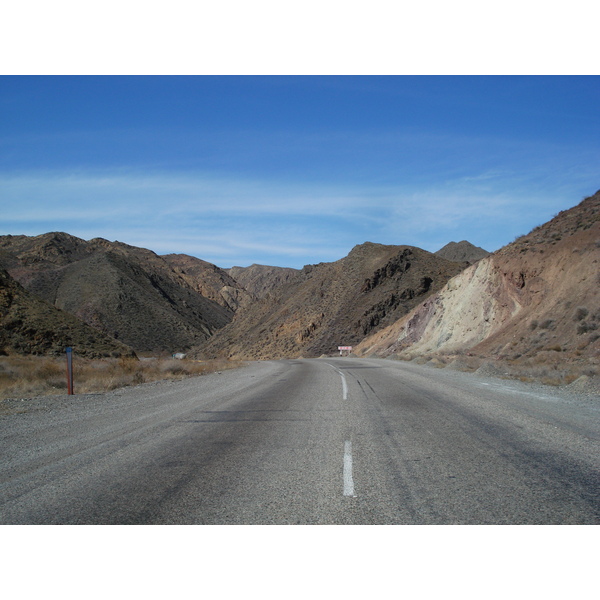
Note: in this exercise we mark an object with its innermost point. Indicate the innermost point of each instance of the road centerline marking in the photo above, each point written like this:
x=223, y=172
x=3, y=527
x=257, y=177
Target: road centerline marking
x=344, y=387
x=344, y=382
x=348, y=479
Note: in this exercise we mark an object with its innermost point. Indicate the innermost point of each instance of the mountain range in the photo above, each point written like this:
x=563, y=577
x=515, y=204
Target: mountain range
x=127, y=293
x=314, y=310
x=536, y=297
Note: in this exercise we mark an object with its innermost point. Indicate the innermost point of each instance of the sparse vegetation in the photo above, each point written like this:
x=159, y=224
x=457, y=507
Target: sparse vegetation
x=547, y=366
x=586, y=326
x=30, y=376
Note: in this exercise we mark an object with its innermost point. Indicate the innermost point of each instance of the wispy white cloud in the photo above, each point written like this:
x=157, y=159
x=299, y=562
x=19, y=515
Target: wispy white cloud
x=51, y=194
x=241, y=220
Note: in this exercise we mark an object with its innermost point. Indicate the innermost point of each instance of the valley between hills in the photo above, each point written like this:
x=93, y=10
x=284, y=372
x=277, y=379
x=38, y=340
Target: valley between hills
x=530, y=310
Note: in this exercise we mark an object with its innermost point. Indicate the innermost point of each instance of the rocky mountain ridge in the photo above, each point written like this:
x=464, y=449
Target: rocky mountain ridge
x=261, y=280
x=534, y=301
x=210, y=281
x=313, y=310
x=128, y=293
x=28, y=325
x=462, y=252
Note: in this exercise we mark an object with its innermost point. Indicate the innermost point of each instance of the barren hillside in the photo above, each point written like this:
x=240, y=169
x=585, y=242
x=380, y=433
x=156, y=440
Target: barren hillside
x=28, y=325
x=330, y=304
x=209, y=280
x=261, y=280
x=462, y=252
x=128, y=293
x=535, y=301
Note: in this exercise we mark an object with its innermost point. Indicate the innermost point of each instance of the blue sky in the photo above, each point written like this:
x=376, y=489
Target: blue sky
x=293, y=170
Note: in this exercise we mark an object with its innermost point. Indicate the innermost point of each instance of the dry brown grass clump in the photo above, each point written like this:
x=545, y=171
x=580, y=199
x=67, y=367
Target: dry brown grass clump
x=30, y=376
x=548, y=367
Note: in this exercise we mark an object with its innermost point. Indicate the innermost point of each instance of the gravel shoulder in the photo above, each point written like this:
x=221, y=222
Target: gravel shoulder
x=583, y=393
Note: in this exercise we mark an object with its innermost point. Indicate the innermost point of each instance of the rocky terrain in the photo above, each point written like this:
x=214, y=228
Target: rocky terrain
x=312, y=311
x=261, y=280
x=212, y=282
x=28, y=325
x=531, y=309
x=462, y=252
x=127, y=293
x=534, y=303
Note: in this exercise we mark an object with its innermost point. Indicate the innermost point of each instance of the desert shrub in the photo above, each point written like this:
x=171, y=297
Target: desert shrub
x=580, y=313
x=50, y=368
x=101, y=365
x=175, y=370
x=172, y=367
x=547, y=324
x=7, y=369
x=586, y=326
x=138, y=378
x=128, y=365
x=533, y=325
x=28, y=376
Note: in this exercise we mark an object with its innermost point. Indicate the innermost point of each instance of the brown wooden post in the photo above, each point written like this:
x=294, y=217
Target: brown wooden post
x=70, y=370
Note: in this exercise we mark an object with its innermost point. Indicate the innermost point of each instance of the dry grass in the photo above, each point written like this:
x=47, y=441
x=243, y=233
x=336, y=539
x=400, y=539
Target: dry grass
x=549, y=367
x=30, y=376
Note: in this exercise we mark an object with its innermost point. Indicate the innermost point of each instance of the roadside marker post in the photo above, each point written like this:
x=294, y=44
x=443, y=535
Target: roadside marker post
x=70, y=370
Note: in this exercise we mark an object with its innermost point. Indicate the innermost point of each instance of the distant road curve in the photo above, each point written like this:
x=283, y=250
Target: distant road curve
x=323, y=441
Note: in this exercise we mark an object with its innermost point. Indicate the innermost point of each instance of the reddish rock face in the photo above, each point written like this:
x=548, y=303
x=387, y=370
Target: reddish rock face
x=536, y=299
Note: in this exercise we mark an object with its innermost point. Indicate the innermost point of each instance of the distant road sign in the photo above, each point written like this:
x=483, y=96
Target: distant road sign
x=344, y=347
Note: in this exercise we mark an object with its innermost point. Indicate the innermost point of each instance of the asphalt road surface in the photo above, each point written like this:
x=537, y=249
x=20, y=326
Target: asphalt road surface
x=324, y=441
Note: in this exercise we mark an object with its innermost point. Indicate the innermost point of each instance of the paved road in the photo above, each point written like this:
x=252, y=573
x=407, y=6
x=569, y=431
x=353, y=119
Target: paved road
x=327, y=441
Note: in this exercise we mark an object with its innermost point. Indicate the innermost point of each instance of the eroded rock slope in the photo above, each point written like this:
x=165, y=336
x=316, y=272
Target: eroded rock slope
x=323, y=306
x=28, y=325
x=536, y=297
x=127, y=293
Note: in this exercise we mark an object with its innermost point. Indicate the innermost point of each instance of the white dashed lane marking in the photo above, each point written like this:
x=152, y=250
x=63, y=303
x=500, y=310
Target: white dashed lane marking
x=348, y=480
x=348, y=475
